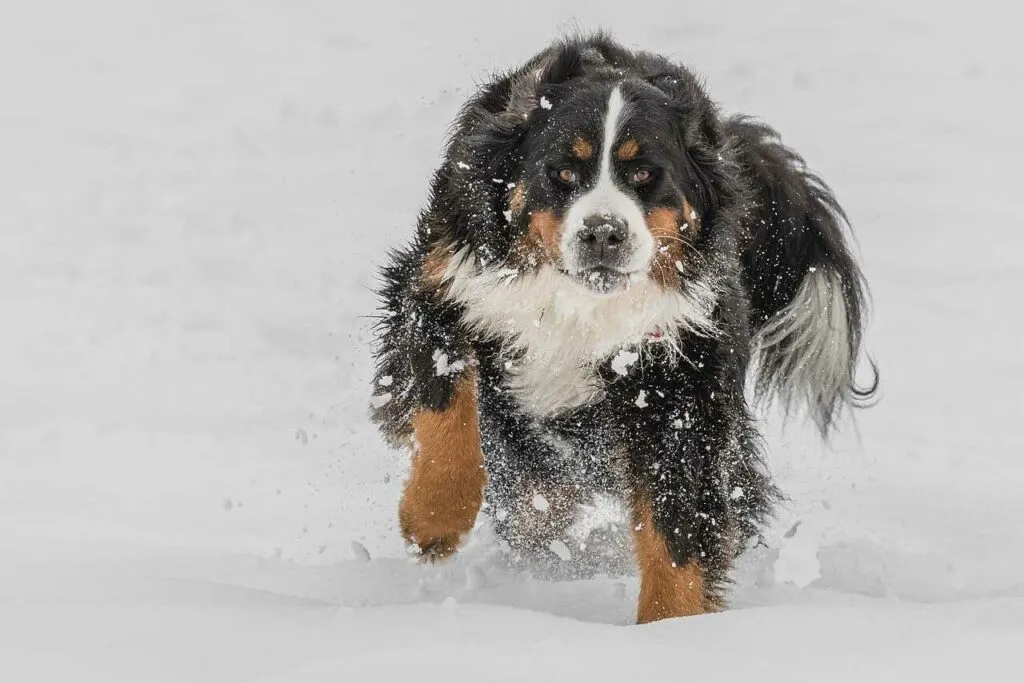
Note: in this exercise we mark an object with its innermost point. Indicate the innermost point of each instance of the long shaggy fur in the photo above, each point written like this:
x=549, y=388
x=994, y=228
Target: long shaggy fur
x=808, y=296
x=636, y=388
x=530, y=316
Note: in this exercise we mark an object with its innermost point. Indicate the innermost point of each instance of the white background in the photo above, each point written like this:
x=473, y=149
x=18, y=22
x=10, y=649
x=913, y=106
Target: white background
x=194, y=196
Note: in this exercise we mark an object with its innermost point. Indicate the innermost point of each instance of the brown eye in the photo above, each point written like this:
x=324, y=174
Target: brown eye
x=642, y=175
x=567, y=175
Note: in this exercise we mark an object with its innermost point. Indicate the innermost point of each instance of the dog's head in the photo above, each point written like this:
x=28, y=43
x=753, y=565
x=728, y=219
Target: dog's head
x=601, y=172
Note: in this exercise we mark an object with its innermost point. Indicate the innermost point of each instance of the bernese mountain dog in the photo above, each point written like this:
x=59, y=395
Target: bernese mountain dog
x=608, y=275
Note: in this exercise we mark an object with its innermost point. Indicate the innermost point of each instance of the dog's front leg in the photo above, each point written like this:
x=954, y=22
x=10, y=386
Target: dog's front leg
x=426, y=399
x=682, y=436
x=446, y=487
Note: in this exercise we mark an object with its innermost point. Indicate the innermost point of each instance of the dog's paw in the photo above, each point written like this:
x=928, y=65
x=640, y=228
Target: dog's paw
x=431, y=550
x=434, y=536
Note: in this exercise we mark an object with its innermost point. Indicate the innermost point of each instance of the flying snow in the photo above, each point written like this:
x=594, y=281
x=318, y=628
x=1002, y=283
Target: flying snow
x=443, y=368
x=623, y=359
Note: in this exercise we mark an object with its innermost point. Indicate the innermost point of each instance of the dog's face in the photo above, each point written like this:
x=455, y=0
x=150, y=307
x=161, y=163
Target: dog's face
x=606, y=183
x=577, y=213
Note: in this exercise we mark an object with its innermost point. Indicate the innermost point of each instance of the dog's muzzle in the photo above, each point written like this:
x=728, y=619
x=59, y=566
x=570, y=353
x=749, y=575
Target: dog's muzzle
x=601, y=252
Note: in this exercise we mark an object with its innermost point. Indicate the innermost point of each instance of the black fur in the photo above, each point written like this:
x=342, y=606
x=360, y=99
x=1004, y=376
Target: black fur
x=765, y=221
x=795, y=224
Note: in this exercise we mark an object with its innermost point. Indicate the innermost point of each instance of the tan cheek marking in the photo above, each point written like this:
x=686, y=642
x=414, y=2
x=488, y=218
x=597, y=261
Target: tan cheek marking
x=446, y=485
x=663, y=224
x=582, y=149
x=666, y=590
x=546, y=232
x=628, y=150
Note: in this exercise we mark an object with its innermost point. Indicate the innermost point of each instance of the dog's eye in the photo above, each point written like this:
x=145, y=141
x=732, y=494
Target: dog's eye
x=566, y=175
x=642, y=175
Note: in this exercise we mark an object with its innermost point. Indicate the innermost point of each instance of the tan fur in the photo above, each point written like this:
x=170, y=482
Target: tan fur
x=546, y=232
x=446, y=487
x=517, y=199
x=435, y=265
x=627, y=150
x=672, y=230
x=582, y=149
x=666, y=591
x=663, y=224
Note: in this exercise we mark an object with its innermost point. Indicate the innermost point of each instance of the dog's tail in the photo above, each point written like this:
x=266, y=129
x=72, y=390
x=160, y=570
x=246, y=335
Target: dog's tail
x=808, y=295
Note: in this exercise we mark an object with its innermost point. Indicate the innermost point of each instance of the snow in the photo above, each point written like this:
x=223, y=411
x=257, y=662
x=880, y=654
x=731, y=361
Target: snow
x=378, y=400
x=195, y=197
x=622, y=360
x=559, y=548
x=443, y=368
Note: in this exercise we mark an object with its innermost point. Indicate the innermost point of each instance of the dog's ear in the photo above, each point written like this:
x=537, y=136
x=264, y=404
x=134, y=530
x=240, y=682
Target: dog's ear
x=553, y=67
x=701, y=139
x=696, y=113
x=493, y=125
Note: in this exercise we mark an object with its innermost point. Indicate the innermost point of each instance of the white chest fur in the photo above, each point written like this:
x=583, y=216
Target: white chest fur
x=555, y=334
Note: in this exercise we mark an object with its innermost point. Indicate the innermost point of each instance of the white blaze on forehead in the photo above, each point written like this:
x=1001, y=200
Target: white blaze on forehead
x=605, y=197
x=612, y=118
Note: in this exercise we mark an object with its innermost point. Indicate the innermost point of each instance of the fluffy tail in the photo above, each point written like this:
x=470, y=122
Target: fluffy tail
x=809, y=298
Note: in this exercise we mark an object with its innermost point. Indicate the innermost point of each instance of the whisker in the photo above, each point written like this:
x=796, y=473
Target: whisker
x=691, y=250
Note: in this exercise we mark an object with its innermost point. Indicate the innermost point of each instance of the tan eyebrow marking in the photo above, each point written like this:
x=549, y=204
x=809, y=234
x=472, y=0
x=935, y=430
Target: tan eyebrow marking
x=628, y=150
x=582, y=148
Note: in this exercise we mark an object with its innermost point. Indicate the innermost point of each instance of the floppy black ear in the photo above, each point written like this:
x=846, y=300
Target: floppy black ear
x=556, y=65
x=485, y=146
x=695, y=112
x=494, y=123
x=701, y=139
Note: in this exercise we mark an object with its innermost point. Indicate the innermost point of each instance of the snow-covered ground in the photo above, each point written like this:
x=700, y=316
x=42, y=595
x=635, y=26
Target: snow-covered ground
x=193, y=198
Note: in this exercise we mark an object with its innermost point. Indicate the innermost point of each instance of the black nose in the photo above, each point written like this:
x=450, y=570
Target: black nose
x=602, y=235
